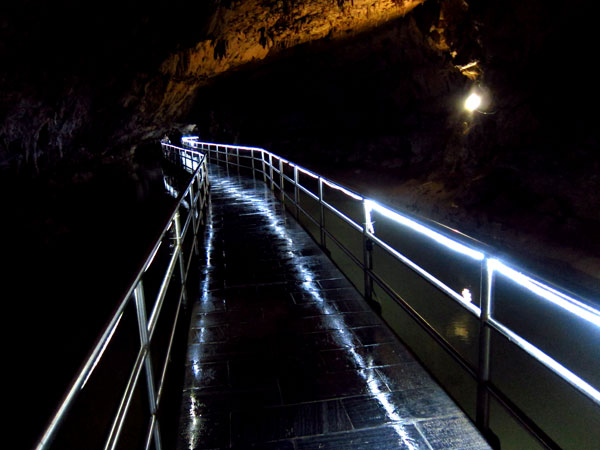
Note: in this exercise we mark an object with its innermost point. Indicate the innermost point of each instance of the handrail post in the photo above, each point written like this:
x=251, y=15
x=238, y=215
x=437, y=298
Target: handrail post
x=296, y=192
x=193, y=210
x=252, y=162
x=179, y=248
x=482, y=415
x=140, y=306
x=281, y=182
x=271, y=171
x=367, y=259
x=321, y=213
x=264, y=169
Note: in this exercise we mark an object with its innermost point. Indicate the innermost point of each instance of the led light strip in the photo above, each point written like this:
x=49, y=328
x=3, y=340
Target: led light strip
x=370, y=206
x=565, y=302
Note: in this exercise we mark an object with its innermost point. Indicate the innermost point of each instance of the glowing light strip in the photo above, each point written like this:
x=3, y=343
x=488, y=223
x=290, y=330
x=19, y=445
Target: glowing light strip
x=549, y=362
x=440, y=238
x=308, y=172
x=342, y=189
x=570, y=304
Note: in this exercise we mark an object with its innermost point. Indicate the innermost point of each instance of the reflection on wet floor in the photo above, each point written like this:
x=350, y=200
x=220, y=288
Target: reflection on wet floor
x=284, y=353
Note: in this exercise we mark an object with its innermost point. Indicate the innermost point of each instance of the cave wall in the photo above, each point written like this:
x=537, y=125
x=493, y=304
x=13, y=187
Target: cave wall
x=370, y=86
x=382, y=111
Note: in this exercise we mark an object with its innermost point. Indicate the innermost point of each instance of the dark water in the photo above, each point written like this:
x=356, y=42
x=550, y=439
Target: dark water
x=70, y=254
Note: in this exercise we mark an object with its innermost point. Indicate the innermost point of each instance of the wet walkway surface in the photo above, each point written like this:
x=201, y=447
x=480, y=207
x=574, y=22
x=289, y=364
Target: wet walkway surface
x=285, y=354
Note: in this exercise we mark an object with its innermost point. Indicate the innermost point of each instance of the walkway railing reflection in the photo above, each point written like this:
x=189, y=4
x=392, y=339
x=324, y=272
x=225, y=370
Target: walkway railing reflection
x=105, y=402
x=498, y=325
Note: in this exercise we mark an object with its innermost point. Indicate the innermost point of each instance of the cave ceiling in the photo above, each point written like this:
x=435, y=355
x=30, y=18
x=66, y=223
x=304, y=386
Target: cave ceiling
x=373, y=84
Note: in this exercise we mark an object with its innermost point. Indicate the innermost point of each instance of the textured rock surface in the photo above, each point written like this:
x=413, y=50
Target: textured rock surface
x=373, y=86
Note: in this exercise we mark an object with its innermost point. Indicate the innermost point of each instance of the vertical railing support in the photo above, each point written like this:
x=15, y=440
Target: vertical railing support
x=193, y=210
x=367, y=257
x=482, y=414
x=264, y=169
x=321, y=214
x=271, y=171
x=252, y=162
x=140, y=306
x=179, y=248
x=281, y=182
x=296, y=193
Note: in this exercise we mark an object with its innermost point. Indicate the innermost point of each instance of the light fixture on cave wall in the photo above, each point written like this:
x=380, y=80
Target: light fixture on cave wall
x=478, y=100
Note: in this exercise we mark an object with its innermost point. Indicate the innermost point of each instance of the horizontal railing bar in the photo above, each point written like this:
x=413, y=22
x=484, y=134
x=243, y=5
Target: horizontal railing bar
x=169, y=350
x=345, y=249
x=134, y=377
x=523, y=419
x=310, y=193
x=162, y=292
x=109, y=330
x=343, y=216
x=424, y=324
x=149, y=436
x=307, y=214
x=82, y=375
x=575, y=381
x=431, y=223
x=424, y=274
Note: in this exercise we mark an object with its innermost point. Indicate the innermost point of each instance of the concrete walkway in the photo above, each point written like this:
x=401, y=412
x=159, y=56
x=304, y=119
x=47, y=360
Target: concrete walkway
x=285, y=354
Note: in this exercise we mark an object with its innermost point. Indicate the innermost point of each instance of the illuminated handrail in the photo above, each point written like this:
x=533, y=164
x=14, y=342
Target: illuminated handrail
x=273, y=170
x=195, y=198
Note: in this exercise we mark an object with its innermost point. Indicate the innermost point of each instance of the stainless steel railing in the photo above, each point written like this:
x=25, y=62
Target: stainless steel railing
x=435, y=275
x=175, y=248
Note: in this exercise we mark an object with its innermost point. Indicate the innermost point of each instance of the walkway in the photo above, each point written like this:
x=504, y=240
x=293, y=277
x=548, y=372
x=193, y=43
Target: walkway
x=284, y=353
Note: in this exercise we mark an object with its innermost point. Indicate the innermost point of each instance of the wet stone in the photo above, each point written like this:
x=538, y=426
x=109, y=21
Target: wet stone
x=284, y=353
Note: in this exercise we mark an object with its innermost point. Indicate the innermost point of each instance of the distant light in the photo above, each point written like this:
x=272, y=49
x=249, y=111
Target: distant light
x=473, y=102
x=466, y=294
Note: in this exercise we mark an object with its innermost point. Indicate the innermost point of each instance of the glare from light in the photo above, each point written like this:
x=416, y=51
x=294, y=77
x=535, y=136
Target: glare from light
x=467, y=295
x=473, y=102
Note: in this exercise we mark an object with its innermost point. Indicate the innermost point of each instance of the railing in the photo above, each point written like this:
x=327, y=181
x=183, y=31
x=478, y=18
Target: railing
x=104, y=406
x=526, y=347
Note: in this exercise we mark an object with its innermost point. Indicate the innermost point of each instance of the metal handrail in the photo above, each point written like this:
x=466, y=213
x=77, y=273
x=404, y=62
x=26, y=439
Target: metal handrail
x=195, y=196
x=271, y=167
